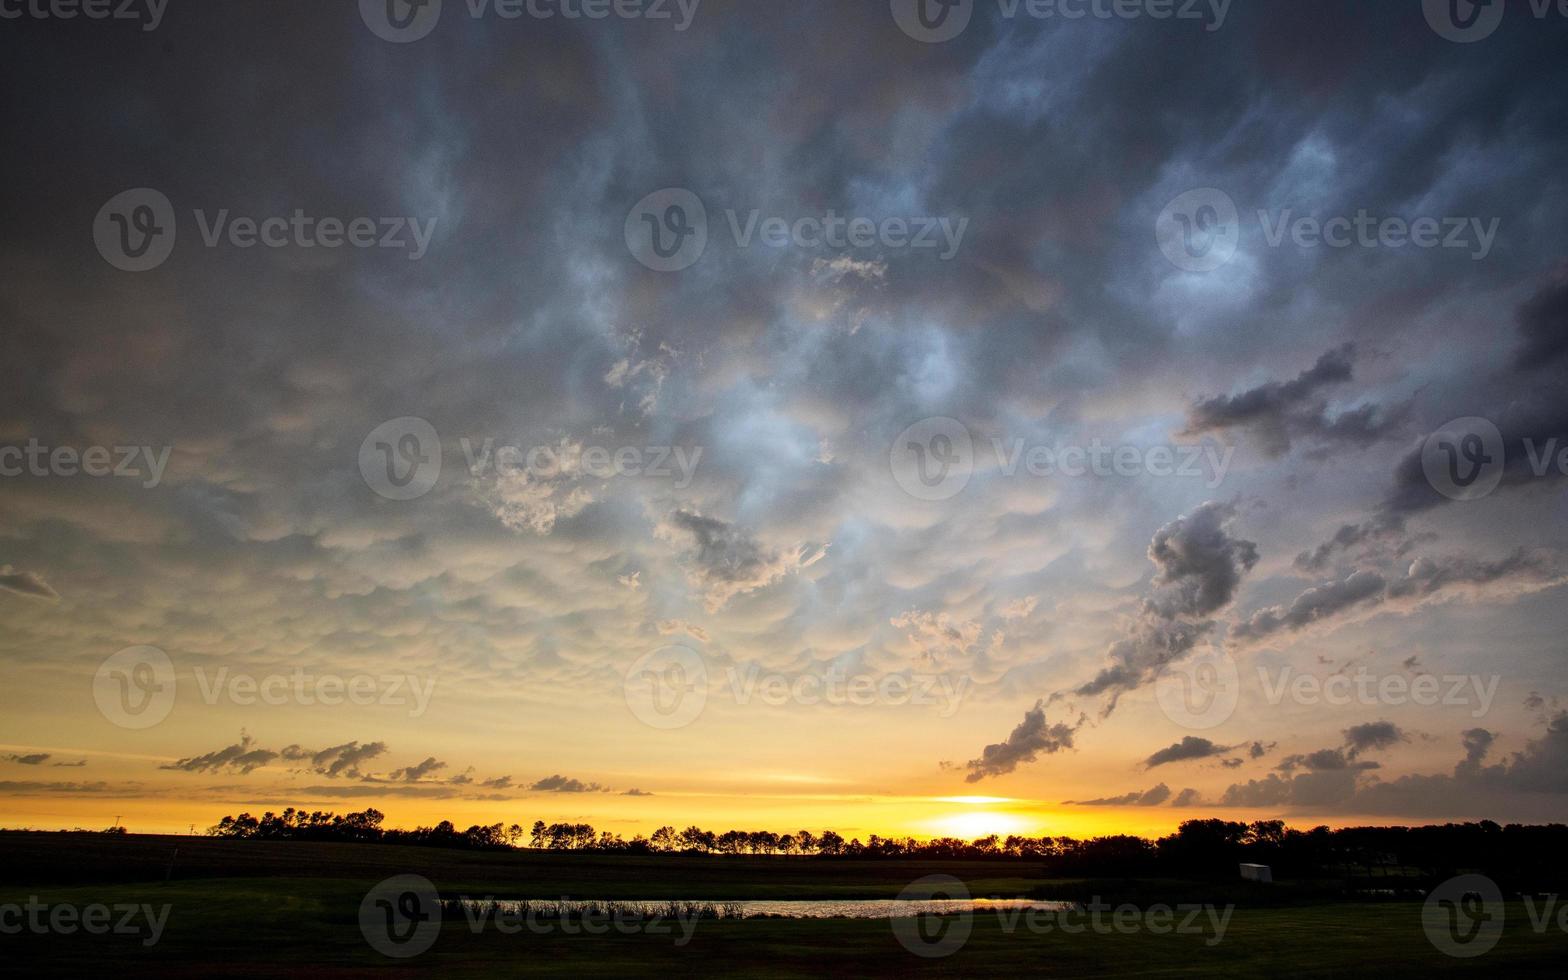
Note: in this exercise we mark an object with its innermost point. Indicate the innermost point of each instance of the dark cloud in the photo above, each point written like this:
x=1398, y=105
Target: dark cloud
x=1317, y=603
x=1529, y=406
x=1372, y=736
x=1424, y=579
x=242, y=757
x=1543, y=327
x=728, y=562
x=562, y=784
x=1277, y=413
x=1199, y=565
x=25, y=583
x=1190, y=747
x=636, y=792
x=1188, y=797
x=1151, y=797
x=1198, y=562
x=417, y=773
x=35, y=759
x=1033, y=737
x=337, y=761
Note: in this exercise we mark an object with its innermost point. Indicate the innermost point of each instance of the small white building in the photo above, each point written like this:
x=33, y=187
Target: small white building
x=1257, y=872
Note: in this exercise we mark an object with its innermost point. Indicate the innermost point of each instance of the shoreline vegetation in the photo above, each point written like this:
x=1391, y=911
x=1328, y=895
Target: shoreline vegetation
x=1202, y=856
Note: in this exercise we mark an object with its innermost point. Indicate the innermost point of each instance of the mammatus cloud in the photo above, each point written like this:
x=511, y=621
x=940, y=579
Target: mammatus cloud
x=1033, y=737
x=727, y=561
x=25, y=583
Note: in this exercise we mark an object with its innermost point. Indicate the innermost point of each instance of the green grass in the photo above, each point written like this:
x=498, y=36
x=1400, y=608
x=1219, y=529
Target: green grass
x=254, y=909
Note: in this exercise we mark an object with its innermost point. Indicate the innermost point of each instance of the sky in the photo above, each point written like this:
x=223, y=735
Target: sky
x=1046, y=418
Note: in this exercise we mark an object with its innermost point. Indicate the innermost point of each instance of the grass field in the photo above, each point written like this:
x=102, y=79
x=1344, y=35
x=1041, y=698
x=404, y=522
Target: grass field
x=268, y=909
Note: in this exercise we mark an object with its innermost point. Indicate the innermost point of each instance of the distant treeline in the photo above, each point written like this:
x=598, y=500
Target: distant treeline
x=1198, y=848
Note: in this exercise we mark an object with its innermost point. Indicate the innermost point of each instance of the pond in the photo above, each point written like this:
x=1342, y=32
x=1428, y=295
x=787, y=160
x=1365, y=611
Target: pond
x=797, y=909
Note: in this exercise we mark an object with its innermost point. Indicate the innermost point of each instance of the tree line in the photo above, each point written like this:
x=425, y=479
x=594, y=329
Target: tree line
x=1198, y=848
